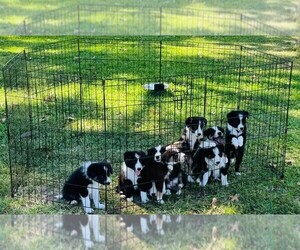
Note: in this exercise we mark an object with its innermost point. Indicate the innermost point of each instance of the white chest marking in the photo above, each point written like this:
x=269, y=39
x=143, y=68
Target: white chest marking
x=237, y=142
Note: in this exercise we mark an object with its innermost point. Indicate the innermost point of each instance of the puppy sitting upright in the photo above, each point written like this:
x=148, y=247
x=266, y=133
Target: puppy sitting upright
x=130, y=173
x=193, y=131
x=177, y=178
x=83, y=184
x=235, y=138
x=209, y=161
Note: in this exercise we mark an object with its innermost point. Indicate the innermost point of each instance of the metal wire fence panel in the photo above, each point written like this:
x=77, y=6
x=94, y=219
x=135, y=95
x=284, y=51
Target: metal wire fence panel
x=86, y=99
x=88, y=19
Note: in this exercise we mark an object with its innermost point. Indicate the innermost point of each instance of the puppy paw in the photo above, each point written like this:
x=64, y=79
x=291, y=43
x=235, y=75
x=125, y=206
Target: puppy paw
x=130, y=199
x=160, y=201
x=100, y=206
x=225, y=183
x=190, y=179
x=88, y=210
x=168, y=192
x=178, y=192
x=74, y=202
x=144, y=197
x=145, y=200
x=122, y=195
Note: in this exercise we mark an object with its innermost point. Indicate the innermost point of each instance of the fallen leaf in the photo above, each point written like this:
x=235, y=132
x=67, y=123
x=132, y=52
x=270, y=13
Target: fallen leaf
x=235, y=197
x=214, y=202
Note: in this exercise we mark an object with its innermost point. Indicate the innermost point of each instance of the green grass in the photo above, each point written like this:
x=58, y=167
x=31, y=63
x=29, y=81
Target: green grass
x=256, y=196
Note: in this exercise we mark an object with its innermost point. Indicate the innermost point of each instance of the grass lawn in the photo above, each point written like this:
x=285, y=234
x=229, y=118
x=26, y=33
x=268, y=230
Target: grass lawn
x=266, y=196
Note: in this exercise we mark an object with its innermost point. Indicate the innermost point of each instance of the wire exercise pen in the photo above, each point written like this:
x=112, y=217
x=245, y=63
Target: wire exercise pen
x=91, y=19
x=84, y=99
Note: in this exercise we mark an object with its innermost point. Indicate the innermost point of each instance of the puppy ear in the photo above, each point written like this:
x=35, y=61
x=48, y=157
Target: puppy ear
x=232, y=114
x=209, y=132
x=203, y=121
x=221, y=129
x=142, y=154
x=245, y=113
x=128, y=155
x=188, y=121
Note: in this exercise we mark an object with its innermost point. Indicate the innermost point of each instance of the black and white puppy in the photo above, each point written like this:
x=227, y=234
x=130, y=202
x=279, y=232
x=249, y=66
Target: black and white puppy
x=191, y=138
x=177, y=177
x=131, y=169
x=83, y=184
x=235, y=141
x=209, y=161
x=213, y=136
x=193, y=131
x=156, y=152
x=153, y=176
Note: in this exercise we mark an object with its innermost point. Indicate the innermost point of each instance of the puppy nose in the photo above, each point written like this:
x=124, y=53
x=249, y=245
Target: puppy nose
x=217, y=162
x=199, y=134
x=219, y=133
x=107, y=182
x=156, y=157
x=242, y=128
x=139, y=169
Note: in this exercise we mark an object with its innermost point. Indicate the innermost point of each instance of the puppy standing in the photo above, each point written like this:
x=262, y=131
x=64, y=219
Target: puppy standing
x=83, y=184
x=153, y=175
x=235, y=138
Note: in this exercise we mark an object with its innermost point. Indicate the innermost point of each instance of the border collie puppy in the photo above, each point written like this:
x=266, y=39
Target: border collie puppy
x=214, y=136
x=207, y=162
x=152, y=178
x=83, y=184
x=156, y=152
x=130, y=173
x=235, y=138
x=193, y=131
x=177, y=178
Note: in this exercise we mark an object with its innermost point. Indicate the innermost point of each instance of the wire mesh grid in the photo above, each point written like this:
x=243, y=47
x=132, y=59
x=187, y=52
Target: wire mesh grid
x=88, y=19
x=85, y=99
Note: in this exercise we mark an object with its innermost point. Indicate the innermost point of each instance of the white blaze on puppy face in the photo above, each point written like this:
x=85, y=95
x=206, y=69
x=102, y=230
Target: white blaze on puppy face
x=241, y=125
x=238, y=127
x=215, y=160
x=157, y=156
